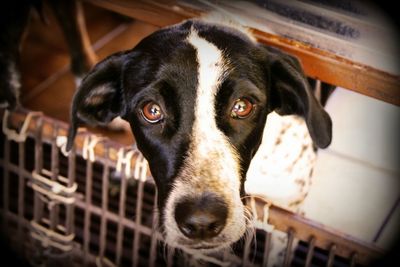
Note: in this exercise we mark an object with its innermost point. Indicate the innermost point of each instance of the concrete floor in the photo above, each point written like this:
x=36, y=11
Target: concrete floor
x=356, y=183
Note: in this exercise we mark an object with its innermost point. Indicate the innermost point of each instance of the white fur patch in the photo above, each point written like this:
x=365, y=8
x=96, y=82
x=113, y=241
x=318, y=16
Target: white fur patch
x=281, y=172
x=281, y=169
x=212, y=164
x=78, y=81
x=14, y=82
x=14, y=77
x=119, y=124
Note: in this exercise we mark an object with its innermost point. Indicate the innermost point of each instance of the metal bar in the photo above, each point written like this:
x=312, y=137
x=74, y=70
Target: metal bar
x=69, y=218
x=15, y=169
x=104, y=205
x=54, y=209
x=21, y=187
x=54, y=154
x=288, y=252
x=136, y=240
x=6, y=183
x=247, y=249
x=121, y=216
x=153, y=244
x=88, y=202
x=37, y=202
x=267, y=248
x=110, y=216
x=353, y=259
x=226, y=255
x=310, y=251
x=331, y=257
x=38, y=144
x=170, y=257
x=38, y=206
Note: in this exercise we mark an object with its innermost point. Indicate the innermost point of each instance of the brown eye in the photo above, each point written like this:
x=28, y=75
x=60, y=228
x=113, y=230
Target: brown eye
x=242, y=108
x=152, y=112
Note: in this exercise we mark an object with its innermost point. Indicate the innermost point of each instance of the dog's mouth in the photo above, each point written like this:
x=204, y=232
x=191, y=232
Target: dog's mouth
x=204, y=247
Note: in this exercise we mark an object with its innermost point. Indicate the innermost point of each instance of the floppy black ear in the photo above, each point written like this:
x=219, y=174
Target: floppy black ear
x=98, y=99
x=290, y=93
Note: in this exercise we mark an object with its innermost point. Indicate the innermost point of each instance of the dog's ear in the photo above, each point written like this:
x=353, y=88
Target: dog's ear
x=98, y=99
x=290, y=93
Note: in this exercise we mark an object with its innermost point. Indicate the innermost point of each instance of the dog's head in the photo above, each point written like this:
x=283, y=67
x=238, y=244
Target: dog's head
x=197, y=96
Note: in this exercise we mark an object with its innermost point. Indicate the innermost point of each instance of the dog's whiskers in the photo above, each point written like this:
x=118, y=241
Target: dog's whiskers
x=250, y=235
x=246, y=197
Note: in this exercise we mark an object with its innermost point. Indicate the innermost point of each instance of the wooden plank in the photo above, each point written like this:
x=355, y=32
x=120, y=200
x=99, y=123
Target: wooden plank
x=337, y=70
x=44, y=51
x=317, y=63
x=159, y=13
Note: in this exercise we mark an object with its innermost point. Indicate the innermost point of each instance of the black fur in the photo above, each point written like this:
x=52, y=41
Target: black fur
x=14, y=18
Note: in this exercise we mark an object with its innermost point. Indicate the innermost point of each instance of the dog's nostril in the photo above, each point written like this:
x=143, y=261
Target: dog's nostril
x=215, y=227
x=201, y=218
x=187, y=229
x=201, y=225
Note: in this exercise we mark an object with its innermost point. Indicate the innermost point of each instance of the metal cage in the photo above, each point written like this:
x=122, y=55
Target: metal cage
x=96, y=206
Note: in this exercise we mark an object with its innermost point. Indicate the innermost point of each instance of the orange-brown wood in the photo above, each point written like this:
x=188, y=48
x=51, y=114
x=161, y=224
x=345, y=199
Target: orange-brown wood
x=339, y=71
x=159, y=13
x=48, y=84
x=44, y=51
x=319, y=64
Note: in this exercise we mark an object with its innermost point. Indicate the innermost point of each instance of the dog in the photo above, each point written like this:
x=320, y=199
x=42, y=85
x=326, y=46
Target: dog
x=197, y=96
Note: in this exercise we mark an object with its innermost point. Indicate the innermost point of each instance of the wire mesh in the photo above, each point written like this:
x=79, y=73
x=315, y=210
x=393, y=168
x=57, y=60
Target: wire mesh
x=87, y=209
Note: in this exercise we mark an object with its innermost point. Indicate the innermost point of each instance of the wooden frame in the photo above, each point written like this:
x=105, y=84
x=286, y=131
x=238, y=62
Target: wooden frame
x=46, y=130
x=317, y=63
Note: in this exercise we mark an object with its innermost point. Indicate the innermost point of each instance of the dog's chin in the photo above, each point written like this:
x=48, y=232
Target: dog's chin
x=204, y=248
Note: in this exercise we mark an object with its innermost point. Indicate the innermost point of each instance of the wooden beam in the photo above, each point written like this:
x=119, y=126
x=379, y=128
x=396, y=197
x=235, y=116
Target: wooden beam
x=337, y=70
x=317, y=63
x=159, y=13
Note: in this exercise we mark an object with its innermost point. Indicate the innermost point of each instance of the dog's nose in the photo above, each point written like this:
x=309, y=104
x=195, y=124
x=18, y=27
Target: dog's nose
x=201, y=218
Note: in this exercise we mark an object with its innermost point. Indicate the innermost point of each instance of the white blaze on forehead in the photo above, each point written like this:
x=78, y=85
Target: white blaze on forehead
x=210, y=70
x=208, y=140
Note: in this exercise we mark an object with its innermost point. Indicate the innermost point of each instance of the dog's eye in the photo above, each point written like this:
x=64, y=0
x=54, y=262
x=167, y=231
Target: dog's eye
x=152, y=112
x=242, y=108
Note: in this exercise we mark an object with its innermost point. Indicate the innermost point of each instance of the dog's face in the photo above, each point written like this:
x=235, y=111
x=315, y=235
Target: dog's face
x=197, y=96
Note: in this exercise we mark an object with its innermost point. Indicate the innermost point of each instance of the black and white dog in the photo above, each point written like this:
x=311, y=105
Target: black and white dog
x=197, y=96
